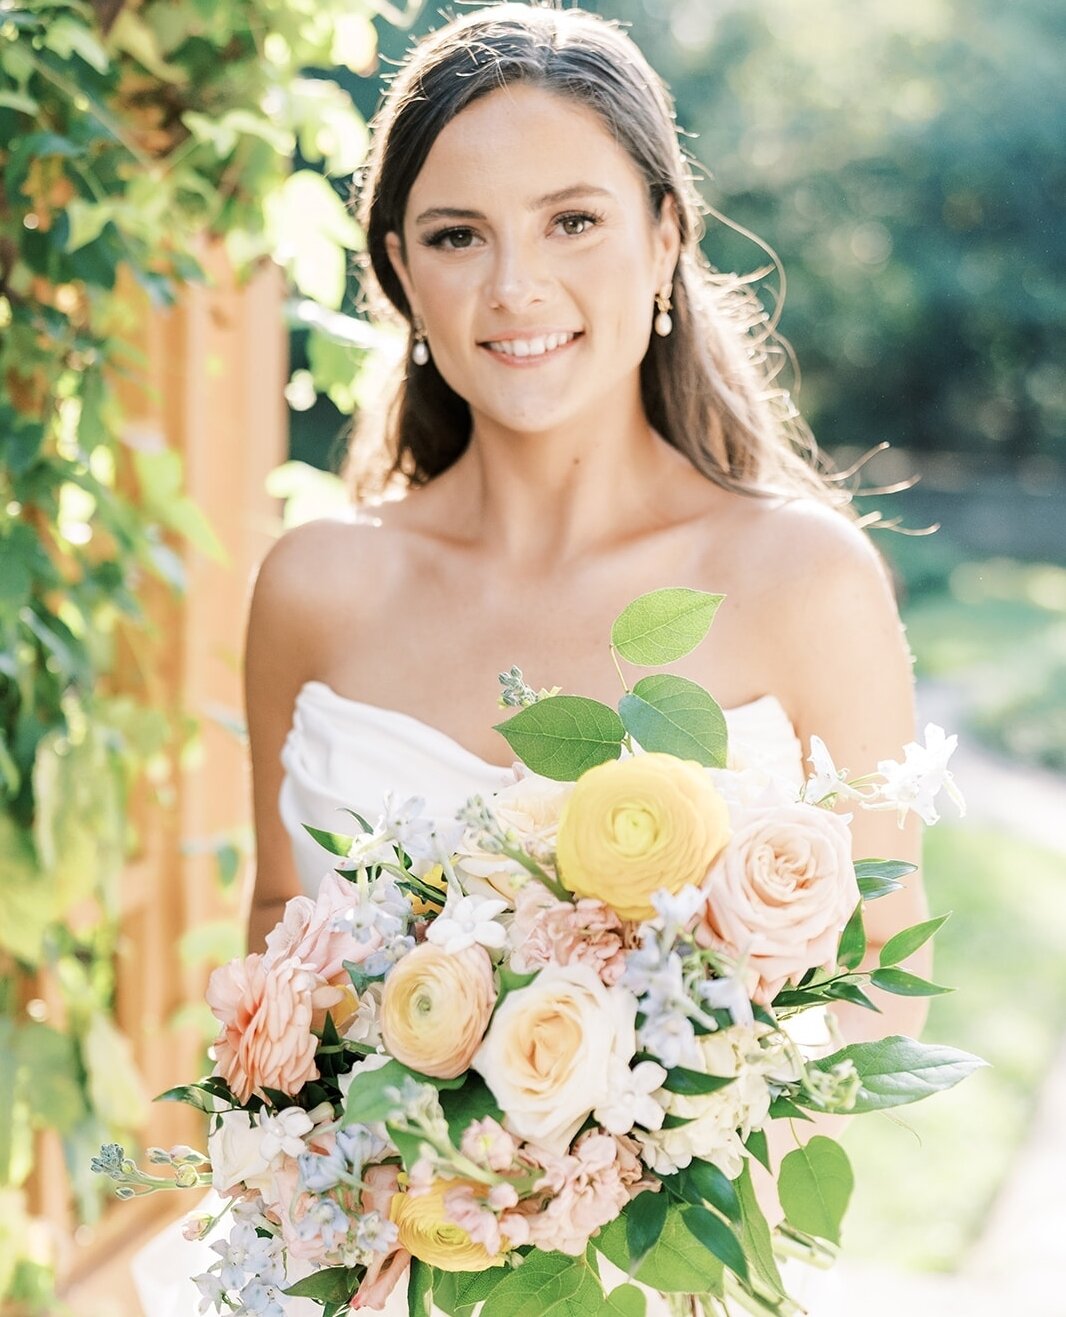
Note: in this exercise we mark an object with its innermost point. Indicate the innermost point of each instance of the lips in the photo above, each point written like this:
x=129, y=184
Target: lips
x=531, y=347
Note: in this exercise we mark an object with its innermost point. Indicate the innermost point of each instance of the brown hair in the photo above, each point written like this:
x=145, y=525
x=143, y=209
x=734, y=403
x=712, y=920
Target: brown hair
x=710, y=388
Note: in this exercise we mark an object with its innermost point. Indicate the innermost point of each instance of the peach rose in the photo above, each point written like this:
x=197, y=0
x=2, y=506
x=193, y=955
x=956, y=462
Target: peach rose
x=780, y=894
x=436, y=1007
x=635, y=825
x=307, y=932
x=548, y=1054
x=266, y=1016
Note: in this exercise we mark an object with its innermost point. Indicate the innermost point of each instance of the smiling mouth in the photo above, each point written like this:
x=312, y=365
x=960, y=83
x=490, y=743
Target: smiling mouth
x=536, y=346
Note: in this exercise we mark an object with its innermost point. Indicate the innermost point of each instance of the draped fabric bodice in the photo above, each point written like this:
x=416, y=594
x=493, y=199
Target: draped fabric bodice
x=343, y=754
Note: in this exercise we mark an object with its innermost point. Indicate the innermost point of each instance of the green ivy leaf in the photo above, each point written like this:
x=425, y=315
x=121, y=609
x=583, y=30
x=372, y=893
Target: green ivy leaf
x=663, y=625
x=898, y=1070
x=367, y=1095
x=852, y=941
x=814, y=1185
x=907, y=942
x=676, y=716
x=564, y=736
x=626, y=1301
x=904, y=984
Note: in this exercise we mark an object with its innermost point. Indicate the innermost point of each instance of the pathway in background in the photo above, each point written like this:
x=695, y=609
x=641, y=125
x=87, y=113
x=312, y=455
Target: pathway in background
x=1015, y=1269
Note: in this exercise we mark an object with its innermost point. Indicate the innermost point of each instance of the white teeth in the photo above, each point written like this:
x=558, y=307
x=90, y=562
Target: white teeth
x=531, y=347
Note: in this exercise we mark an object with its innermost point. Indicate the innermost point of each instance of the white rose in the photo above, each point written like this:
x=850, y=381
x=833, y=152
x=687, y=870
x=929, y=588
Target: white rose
x=531, y=808
x=551, y=1049
x=236, y=1153
x=719, y=1122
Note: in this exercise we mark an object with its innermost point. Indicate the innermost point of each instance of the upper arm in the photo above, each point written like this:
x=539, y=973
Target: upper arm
x=848, y=678
x=282, y=646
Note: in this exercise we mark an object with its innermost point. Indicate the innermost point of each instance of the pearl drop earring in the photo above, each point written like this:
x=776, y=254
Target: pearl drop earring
x=420, y=351
x=663, y=322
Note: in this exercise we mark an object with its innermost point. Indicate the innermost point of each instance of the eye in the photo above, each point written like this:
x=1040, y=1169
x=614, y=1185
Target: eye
x=578, y=222
x=456, y=239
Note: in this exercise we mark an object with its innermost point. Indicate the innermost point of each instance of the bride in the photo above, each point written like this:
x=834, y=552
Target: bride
x=587, y=412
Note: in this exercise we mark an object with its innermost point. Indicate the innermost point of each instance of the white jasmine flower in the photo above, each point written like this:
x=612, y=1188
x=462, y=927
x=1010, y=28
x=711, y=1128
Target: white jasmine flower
x=212, y=1290
x=729, y=994
x=467, y=920
x=915, y=784
x=631, y=1102
x=827, y=780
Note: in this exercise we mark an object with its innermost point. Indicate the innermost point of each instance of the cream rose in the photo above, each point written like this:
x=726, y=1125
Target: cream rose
x=635, y=825
x=235, y=1147
x=435, y=1008
x=549, y=1052
x=531, y=809
x=780, y=894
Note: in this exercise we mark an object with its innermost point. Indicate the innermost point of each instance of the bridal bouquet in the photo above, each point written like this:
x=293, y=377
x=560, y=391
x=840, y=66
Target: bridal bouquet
x=497, y=1049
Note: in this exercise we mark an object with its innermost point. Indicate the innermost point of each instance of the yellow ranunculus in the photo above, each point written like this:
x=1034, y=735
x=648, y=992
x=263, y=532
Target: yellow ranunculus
x=428, y=1234
x=635, y=825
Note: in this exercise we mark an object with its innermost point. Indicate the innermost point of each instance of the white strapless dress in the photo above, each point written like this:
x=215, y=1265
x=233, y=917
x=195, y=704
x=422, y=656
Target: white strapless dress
x=341, y=753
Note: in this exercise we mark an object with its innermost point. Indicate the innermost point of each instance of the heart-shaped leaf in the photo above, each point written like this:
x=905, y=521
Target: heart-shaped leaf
x=663, y=625
x=564, y=736
x=676, y=716
x=815, y=1184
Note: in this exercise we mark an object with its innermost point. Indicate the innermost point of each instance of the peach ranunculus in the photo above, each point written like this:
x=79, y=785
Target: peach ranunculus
x=551, y=1050
x=266, y=1017
x=428, y=1232
x=780, y=894
x=635, y=825
x=436, y=1007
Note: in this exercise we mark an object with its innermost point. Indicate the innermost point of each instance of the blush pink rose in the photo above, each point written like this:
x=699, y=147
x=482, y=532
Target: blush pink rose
x=266, y=1016
x=780, y=893
x=307, y=932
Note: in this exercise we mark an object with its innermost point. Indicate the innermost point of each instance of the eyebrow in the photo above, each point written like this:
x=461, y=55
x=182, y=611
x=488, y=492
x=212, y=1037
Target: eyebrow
x=538, y=203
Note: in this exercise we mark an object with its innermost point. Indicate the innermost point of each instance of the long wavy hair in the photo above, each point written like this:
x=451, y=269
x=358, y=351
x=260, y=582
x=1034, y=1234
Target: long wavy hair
x=711, y=388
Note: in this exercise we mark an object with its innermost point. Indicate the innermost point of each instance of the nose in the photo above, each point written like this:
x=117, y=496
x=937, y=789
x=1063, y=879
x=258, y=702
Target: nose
x=517, y=279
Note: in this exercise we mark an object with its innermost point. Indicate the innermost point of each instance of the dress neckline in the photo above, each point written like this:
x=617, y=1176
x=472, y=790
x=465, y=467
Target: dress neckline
x=381, y=712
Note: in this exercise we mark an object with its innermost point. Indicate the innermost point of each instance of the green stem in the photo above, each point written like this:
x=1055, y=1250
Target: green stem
x=618, y=669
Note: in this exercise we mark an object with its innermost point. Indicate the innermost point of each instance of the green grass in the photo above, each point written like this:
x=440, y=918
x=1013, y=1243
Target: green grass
x=925, y=1182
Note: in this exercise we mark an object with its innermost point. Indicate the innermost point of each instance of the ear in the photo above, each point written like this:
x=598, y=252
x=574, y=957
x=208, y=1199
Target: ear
x=667, y=239
x=394, y=251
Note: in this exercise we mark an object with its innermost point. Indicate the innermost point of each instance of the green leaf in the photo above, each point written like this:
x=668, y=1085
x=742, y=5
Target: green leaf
x=663, y=625
x=460, y=1292
x=898, y=1070
x=87, y=221
x=814, y=1185
x=676, y=1264
x=675, y=716
x=419, y=1289
x=879, y=878
x=756, y=1143
x=904, y=984
x=755, y=1232
x=368, y=1099
x=462, y=1106
x=714, y=1234
x=850, y=992
x=334, y=1285
x=645, y=1217
x=713, y=1186
x=626, y=1301
x=564, y=736
x=693, y=1082
x=334, y=842
x=195, y=1095
x=782, y=1108
x=852, y=941
x=907, y=942
x=546, y=1285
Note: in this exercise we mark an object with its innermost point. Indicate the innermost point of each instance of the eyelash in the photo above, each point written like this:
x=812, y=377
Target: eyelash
x=441, y=237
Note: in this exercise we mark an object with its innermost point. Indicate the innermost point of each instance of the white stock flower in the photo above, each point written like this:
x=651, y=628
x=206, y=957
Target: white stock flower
x=915, y=784
x=630, y=1101
x=466, y=921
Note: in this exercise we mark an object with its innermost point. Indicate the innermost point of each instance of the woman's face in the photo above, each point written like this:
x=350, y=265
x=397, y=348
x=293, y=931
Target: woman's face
x=532, y=257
